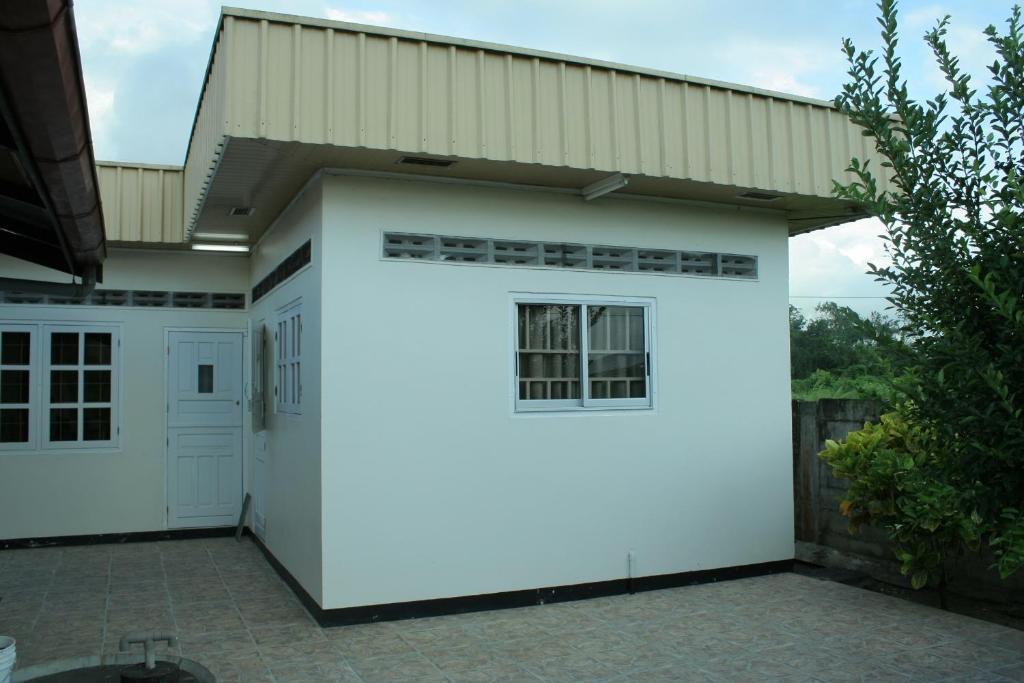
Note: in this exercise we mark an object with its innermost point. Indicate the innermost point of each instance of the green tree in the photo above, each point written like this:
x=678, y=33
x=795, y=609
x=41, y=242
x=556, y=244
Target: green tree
x=955, y=238
x=839, y=354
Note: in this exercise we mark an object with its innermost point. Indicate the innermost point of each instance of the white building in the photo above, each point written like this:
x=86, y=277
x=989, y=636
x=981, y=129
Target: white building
x=507, y=321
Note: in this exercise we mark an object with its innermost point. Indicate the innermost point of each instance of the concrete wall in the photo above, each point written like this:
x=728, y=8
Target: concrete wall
x=816, y=492
x=82, y=491
x=434, y=487
x=822, y=533
x=290, y=484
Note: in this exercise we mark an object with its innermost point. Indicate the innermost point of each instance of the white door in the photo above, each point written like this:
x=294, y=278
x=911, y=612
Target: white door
x=204, y=429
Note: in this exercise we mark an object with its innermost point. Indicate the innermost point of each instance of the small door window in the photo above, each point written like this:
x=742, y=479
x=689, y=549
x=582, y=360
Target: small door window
x=205, y=379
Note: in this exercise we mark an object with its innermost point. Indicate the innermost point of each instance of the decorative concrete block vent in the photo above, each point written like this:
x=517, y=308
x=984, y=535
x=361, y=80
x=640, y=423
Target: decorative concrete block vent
x=561, y=255
x=140, y=298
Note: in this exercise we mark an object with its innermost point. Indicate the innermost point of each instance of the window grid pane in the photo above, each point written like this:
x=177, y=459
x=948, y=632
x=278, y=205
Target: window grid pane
x=288, y=390
x=15, y=348
x=548, y=353
x=616, y=358
x=64, y=348
x=64, y=424
x=81, y=387
x=14, y=386
x=14, y=425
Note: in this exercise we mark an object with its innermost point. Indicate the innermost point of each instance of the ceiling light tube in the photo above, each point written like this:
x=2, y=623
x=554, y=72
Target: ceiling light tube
x=218, y=236
x=221, y=247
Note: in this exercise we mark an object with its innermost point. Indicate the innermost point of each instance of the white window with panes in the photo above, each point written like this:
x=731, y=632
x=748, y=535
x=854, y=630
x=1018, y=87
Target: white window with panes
x=583, y=353
x=288, y=375
x=58, y=386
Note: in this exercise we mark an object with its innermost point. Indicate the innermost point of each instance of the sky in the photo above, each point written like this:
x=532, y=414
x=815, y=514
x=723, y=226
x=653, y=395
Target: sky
x=144, y=61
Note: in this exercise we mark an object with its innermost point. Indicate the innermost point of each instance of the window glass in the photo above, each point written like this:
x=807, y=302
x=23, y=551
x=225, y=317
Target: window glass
x=97, y=348
x=96, y=424
x=552, y=339
x=97, y=386
x=549, y=354
x=64, y=348
x=14, y=386
x=13, y=425
x=14, y=348
x=616, y=359
x=63, y=424
x=63, y=386
x=205, y=379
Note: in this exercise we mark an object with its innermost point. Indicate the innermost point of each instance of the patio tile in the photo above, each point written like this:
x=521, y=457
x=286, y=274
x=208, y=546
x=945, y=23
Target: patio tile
x=1014, y=672
x=393, y=669
x=234, y=615
x=574, y=667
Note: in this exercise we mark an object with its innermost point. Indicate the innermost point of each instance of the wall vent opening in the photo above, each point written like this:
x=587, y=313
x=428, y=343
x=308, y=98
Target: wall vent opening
x=241, y=211
x=759, y=196
x=138, y=297
x=426, y=161
x=398, y=245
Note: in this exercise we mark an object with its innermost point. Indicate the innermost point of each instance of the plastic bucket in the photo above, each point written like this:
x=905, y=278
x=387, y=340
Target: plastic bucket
x=7, y=657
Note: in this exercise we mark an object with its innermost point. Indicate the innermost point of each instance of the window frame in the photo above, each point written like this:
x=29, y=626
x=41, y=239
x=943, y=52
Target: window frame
x=33, y=388
x=46, y=366
x=585, y=403
x=288, y=359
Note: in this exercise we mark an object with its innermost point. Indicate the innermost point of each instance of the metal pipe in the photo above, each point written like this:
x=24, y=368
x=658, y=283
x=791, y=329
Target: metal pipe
x=74, y=290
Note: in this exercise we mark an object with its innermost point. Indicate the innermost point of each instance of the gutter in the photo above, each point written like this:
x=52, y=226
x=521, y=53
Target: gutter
x=47, y=112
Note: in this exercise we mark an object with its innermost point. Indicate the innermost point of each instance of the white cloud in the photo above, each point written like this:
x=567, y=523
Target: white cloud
x=831, y=264
x=359, y=16
x=140, y=28
x=780, y=66
x=100, y=99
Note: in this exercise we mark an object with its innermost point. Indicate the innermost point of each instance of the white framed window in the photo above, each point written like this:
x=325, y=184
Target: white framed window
x=17, y=390
x=288, y=359
x=79, y=388
x=582, y=353
x=59, y=386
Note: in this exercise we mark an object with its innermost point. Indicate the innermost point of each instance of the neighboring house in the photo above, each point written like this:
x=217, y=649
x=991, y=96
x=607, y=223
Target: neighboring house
x=508, y=320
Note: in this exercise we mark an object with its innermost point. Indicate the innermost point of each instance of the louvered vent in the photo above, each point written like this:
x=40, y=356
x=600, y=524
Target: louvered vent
x=410, y=246
x=562, y=255
x=737, y=266
x=146, y=298
x=142, y=298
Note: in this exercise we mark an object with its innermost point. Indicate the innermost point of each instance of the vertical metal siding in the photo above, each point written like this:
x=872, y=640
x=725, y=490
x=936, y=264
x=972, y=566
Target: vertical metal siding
x=141, y=203
x=332, y=86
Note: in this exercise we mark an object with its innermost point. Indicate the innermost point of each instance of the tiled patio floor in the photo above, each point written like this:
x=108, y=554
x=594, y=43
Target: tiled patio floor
x=234, y=615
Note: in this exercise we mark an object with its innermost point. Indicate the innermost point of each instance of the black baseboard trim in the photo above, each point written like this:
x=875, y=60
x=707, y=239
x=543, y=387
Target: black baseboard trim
x=127, y=537
x=521, y=598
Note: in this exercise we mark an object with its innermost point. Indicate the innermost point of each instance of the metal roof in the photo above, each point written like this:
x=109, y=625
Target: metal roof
x=49, y=204
x=285, y=96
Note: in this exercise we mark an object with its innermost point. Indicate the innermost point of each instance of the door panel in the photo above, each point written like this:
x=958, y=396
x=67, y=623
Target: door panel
x=206, y=385
x=204, y=428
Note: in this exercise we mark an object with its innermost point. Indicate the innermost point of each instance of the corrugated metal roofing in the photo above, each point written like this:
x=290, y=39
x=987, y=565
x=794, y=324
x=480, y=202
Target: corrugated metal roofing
x=141, y=202
x=294, y=79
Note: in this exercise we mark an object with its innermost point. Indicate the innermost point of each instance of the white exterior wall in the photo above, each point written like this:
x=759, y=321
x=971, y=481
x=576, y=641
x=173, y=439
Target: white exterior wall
x=83, y=491
x=291, y=483
x=433, y=487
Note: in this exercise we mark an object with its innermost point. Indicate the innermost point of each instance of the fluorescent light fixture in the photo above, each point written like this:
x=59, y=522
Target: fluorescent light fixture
x=221, y=247
x=604, y=186
x=221, y=236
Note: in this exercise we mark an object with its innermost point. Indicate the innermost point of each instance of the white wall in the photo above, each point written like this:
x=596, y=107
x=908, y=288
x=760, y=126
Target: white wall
x=432, y=487
x=292, y=479
x=82, y=491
